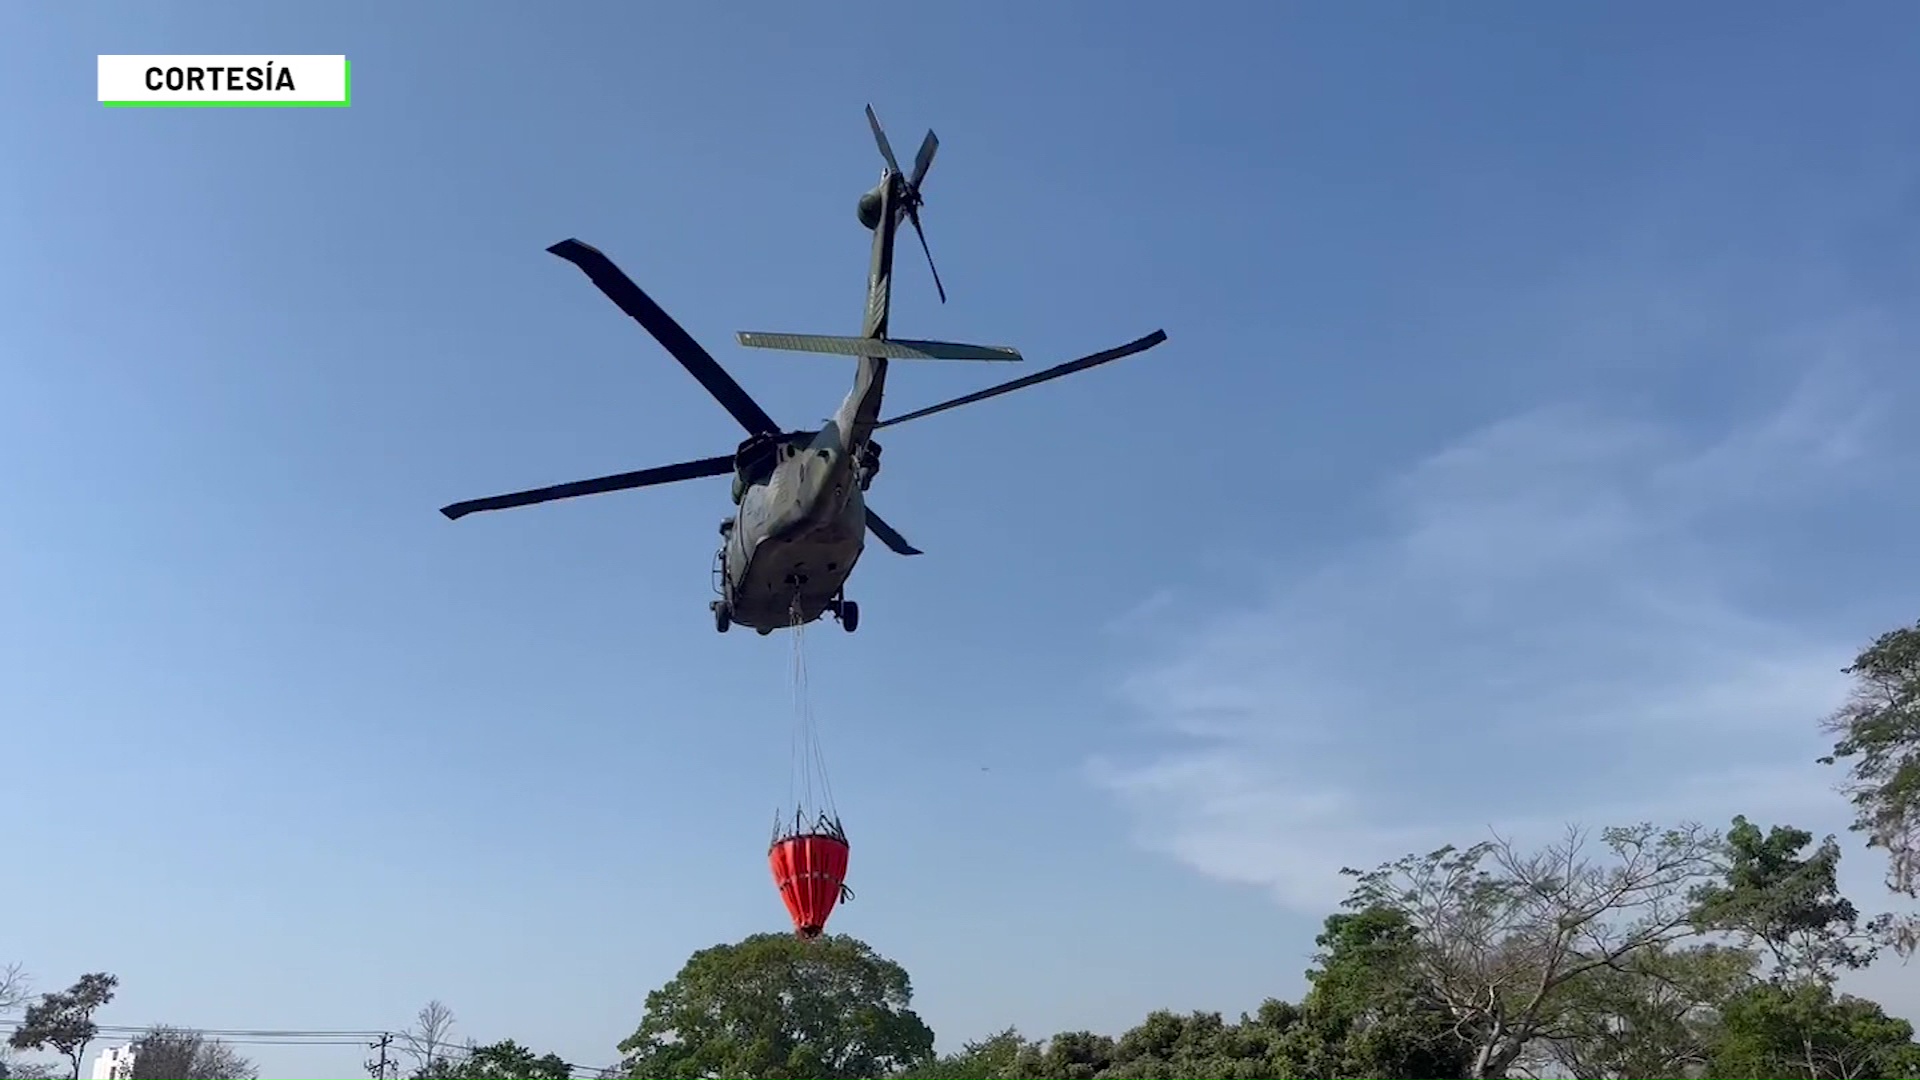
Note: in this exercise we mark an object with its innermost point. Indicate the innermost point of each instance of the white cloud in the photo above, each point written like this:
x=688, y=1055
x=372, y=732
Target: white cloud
x=1560, y=619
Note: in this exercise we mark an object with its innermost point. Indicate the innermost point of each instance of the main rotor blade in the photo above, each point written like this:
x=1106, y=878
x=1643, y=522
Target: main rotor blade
x=886, y=148
x=913, y=215
x=665, y=474
x=923, y=160
x=641, y=308
x=1068, y=368
x=889, y=536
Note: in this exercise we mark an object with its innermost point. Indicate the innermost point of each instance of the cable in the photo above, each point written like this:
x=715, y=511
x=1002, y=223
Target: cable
x=809, y=788
x=290, y=1034
x=253, y=1037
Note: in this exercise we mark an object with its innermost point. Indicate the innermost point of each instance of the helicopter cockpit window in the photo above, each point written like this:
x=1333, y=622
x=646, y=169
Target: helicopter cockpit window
x=755, y=461
x=758, y=467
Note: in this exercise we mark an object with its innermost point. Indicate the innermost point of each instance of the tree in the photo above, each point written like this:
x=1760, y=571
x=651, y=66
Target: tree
x=508, y=1060
x=1167, y=1044
x=1656, y=1016
x=15, y=986
x=776, y=1006
x=1878, y=732
x=1790, y=905
x=429, y=1041
x=995, y=1057
x=1498, y=948
x=1804, y=1031
x=1070, y=1055
x=1372, y=1010
x=170, y=1053
x=64, y=1020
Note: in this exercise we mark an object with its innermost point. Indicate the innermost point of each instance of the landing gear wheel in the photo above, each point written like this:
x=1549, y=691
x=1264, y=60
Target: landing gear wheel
x=722, y=618
x=849, y=613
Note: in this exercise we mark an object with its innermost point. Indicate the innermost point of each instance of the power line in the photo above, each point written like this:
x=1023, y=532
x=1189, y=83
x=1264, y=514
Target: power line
x=384, y=1067
x=353, y=1036
x=289, y=1034
x=292, y=1042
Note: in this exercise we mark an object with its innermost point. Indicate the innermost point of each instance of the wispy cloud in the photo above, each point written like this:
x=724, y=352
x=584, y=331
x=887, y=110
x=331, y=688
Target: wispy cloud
x=1564, y=615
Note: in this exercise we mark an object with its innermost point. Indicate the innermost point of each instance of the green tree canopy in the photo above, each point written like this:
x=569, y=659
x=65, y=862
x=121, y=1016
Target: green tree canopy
x=1372, y=1009
x=991, y=1058
x=774, y=1006
x=64, y=1020
x=1878, y=734
x=508, y=1060
x=1366, y=1016
x=1805, y=1031
x=1654, y=1016
x=1788, y=903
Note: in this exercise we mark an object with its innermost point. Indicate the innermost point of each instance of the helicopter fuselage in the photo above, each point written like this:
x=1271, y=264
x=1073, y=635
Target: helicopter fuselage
x=796, y=537
x=802, y=521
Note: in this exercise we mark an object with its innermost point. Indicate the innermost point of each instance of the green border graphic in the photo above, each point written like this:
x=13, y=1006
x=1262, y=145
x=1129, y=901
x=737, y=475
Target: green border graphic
x=346, y=99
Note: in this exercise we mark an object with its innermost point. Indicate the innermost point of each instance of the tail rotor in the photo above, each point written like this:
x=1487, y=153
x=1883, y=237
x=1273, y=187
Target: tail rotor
x=910, y=182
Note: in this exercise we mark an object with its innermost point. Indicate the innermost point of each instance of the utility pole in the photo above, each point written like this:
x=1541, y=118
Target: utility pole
x=381, y=1069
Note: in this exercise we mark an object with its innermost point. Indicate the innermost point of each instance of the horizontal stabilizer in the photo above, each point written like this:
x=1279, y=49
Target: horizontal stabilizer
x=891, y=348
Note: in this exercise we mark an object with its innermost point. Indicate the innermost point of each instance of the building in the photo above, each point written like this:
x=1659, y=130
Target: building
x=114, y=1063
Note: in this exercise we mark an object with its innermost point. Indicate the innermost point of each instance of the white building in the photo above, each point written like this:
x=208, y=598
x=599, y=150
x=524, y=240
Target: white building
x=114, y=1063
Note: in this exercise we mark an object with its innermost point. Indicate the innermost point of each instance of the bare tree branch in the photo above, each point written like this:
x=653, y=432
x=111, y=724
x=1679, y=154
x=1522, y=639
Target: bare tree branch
x=431, y=1036
x=16, y=986
x=1504, y=933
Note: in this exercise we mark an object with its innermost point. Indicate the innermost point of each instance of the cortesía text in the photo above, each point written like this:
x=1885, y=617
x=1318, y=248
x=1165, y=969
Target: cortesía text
x=220, y=78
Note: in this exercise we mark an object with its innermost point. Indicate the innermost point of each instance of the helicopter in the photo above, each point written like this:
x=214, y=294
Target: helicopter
x=802, y=517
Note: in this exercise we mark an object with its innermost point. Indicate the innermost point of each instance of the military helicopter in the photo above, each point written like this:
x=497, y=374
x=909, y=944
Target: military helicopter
x=802, y=515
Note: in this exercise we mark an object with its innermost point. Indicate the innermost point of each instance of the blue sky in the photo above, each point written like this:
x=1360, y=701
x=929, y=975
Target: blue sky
x=1529, y=447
